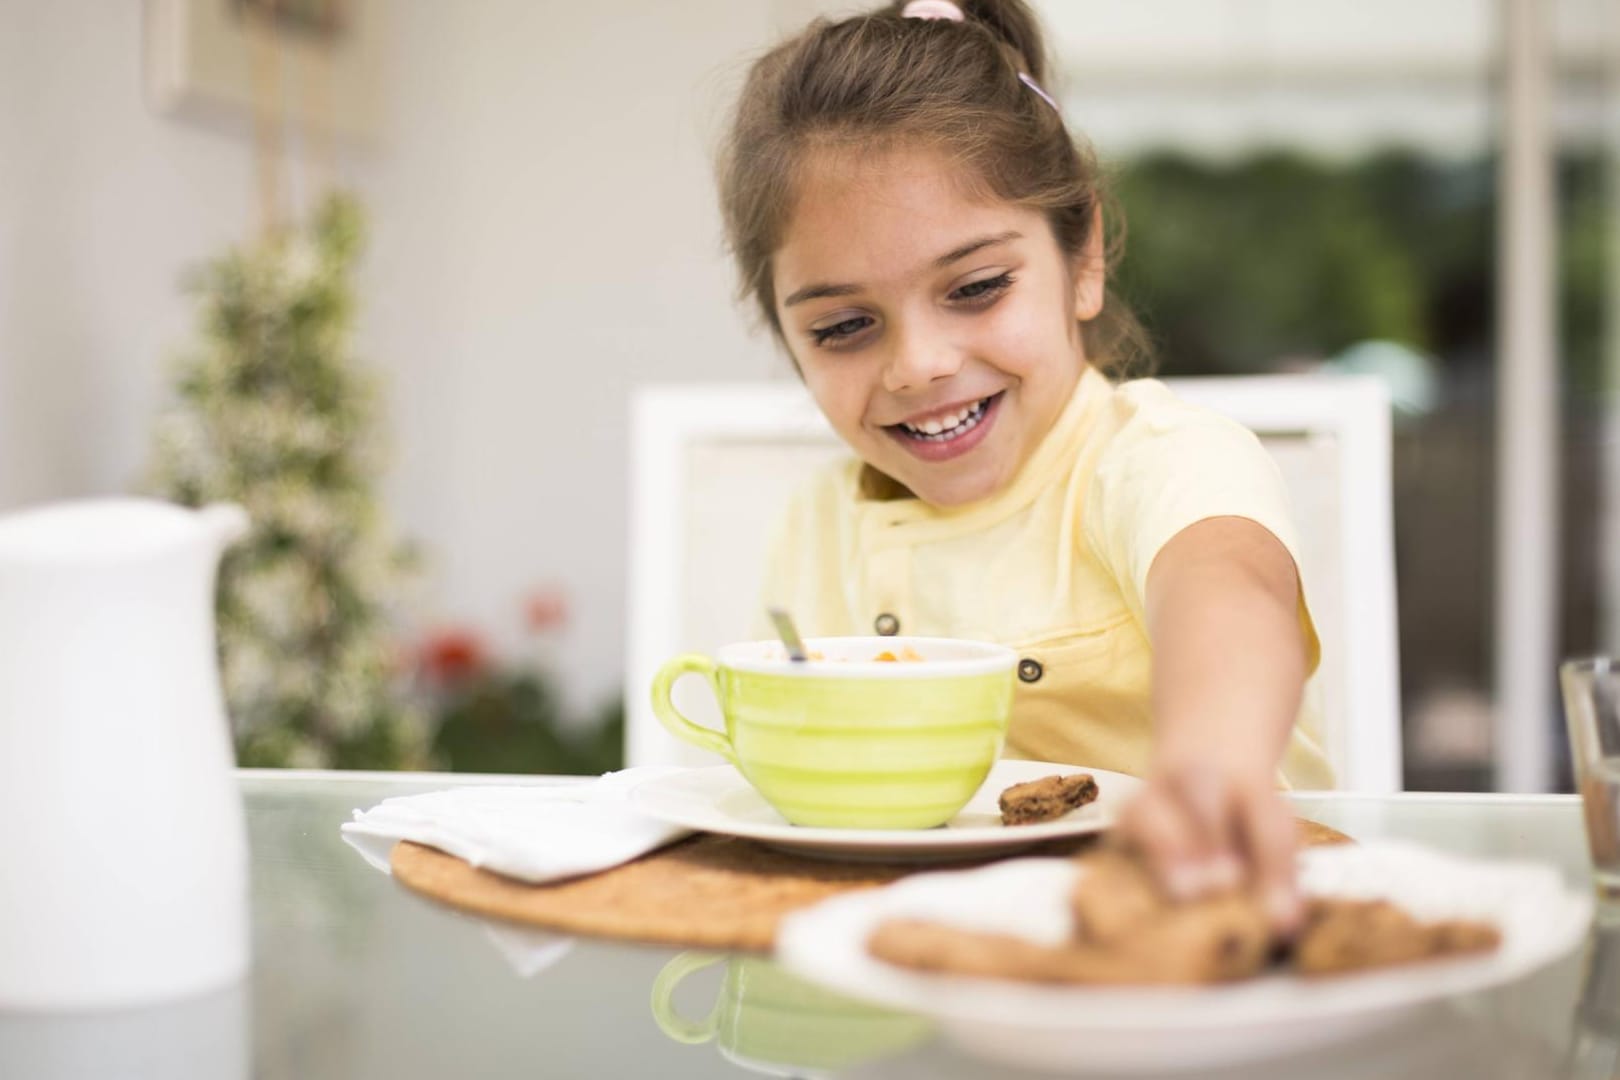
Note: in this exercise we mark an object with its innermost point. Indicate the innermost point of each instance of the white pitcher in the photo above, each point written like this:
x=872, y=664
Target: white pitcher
x=123, y=854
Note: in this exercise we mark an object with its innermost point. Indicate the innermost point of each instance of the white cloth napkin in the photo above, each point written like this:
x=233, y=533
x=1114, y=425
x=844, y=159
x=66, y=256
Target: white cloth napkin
x=538, y=833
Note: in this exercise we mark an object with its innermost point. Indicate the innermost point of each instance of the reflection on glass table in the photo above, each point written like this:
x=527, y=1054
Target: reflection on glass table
x=769, y=1021
x=1594, y=1050
x=357, y=979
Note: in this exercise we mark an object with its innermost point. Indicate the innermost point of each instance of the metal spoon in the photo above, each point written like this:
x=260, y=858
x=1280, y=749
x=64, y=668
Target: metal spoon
x=789, y=634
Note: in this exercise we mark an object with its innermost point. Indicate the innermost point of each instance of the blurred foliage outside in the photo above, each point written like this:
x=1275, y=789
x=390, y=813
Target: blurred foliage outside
x=1282, y=262
x=1234, y=267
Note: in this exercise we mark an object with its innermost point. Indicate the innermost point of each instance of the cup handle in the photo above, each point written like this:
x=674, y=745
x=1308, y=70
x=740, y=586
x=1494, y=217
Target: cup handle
x=678, y=725
x=671, y=1022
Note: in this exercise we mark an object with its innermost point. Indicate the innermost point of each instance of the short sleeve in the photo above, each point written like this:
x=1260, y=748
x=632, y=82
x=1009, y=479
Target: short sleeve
x=1169, y=466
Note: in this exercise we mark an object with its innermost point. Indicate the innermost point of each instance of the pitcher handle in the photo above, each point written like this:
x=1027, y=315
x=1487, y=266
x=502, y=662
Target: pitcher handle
x=671, y=1022
x=678, y=725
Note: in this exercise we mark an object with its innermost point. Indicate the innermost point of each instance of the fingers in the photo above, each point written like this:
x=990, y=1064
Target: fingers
x=1209, y=802
x=1183, y=833
x=1272, y=841
x=1202, y=833
x=1156, y=826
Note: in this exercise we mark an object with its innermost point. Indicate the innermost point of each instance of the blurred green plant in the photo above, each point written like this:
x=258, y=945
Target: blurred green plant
x=512, y=722
x=509, y=717
x=1270, y=257
x=273, y=413
x=1241, y=266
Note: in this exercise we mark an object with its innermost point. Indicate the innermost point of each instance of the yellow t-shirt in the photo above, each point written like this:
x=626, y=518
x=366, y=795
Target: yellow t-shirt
x=1054, y=566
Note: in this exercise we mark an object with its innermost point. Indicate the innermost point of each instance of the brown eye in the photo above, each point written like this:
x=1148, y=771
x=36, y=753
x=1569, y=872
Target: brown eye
x=840, y=330
x=988, y=287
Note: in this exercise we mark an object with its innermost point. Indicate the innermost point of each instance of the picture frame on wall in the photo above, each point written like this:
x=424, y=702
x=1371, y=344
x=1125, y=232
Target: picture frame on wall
x=202, y=61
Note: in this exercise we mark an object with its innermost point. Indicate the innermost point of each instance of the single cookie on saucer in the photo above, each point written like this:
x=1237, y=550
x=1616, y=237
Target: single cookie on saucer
x=1046, y=799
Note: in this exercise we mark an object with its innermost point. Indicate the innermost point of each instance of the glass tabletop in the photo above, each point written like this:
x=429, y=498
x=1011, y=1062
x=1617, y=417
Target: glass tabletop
x=356, y=978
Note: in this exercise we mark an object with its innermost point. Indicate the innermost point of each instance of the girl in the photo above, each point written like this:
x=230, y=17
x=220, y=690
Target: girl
x=925, y=239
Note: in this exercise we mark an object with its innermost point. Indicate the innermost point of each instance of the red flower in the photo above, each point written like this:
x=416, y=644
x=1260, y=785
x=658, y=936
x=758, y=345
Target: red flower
x=454, y=654
x=545, y=610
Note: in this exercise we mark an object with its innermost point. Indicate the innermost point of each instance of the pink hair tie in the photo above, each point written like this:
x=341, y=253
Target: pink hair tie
x=932, y=9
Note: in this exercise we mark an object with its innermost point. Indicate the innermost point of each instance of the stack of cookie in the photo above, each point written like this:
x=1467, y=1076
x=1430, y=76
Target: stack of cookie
x=1127, y=930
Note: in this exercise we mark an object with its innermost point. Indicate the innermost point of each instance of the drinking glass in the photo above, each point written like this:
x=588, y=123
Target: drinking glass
x=1592, y=710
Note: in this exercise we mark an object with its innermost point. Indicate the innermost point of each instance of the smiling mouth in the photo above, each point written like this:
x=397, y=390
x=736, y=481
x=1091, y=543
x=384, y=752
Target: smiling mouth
x=948, y=428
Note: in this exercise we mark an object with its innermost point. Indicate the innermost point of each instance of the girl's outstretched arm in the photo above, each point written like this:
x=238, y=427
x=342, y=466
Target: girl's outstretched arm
x=1229, y=669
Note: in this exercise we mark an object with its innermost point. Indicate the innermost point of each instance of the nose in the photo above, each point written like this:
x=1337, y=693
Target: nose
x=920, y=357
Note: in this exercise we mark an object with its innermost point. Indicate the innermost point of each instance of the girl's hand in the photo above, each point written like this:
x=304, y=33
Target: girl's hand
x=1205, y=827
x=1229, y=666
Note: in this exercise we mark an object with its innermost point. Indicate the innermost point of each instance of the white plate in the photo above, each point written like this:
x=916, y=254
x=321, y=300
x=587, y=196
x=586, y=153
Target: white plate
x=1131, y=1028
x=718, y=800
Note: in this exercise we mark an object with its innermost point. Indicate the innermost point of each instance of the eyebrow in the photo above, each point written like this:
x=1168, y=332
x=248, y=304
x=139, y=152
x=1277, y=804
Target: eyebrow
x=817, y=292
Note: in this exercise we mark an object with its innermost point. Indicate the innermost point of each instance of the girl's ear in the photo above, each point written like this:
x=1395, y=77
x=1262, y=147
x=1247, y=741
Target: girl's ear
x=1090, y=272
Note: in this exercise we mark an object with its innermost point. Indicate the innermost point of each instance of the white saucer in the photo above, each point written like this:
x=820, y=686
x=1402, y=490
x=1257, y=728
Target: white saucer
x=718, y=800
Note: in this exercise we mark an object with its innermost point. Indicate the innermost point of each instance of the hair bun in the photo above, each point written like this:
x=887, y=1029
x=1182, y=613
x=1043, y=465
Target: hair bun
x=1016, y=26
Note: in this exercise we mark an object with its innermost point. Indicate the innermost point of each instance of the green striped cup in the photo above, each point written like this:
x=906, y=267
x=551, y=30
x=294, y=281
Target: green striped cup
x=850, y=741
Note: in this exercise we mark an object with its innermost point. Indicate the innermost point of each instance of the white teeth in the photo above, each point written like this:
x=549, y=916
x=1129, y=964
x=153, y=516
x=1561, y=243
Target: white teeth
x=949, y=426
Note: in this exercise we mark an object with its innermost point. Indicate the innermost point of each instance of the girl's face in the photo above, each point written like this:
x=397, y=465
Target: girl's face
x=939, y=334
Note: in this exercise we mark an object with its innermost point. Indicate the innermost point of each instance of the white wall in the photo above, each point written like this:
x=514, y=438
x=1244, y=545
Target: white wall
x=553, y=240
x=544, y=235
x=100, y=207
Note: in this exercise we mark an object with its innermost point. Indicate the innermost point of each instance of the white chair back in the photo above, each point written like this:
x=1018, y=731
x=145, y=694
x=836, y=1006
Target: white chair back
x=713, y=466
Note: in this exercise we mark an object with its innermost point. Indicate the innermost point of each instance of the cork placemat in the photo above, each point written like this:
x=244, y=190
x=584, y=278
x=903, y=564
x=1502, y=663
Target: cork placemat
x=707, y=891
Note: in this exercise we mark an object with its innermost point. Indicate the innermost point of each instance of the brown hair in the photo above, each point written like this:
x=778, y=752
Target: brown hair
x=953, y=86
